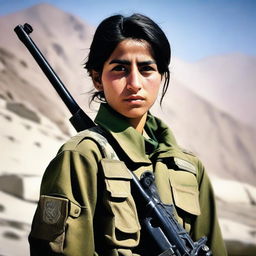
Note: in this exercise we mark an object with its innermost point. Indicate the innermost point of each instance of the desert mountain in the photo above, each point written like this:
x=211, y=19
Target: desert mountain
x=31, y=113
x=227, y=81
x=64, y=41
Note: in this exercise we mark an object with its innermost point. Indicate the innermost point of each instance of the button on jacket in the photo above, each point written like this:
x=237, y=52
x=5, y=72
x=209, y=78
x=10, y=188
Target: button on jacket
x=86, y=207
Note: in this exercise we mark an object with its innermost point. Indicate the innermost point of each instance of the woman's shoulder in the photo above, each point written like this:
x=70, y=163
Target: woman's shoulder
x=85, y=142
x=193, y=159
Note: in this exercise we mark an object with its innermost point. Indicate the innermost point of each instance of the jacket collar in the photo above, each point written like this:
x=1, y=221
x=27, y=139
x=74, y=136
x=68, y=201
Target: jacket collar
x=131, y=141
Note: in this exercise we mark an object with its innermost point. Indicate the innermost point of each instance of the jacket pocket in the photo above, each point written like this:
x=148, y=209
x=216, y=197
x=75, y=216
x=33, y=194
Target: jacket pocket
x=185, y=191
x=124, y=227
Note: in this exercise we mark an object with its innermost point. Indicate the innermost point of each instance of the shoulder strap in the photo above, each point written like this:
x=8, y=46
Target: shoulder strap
x=99, y=136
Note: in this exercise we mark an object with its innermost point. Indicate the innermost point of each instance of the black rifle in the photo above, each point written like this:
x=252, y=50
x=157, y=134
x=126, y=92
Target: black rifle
x=158, y=221
x=80, y=120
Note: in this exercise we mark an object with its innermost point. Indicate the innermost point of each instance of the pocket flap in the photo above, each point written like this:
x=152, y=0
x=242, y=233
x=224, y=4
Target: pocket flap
x=115, y=169
x=187, y=199
x=117, y=178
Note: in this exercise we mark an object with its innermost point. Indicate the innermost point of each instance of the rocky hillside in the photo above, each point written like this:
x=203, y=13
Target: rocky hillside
x=34, y=123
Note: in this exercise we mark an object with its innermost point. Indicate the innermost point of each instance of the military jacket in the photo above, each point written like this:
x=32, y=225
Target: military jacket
x=86, y=207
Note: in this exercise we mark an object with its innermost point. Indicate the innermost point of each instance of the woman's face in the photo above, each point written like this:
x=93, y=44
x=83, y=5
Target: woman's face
x=130, y=79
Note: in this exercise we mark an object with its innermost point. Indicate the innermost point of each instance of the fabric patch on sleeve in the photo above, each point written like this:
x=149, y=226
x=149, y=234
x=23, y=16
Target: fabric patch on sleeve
x=50, y=218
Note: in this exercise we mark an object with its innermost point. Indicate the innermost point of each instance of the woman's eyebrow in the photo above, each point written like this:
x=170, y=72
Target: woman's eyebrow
x=127, y=62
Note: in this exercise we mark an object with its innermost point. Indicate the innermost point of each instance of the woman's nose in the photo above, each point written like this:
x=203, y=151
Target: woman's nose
x=134, y=81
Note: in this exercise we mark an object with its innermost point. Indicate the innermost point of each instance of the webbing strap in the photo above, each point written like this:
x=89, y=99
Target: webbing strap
x=97, y=134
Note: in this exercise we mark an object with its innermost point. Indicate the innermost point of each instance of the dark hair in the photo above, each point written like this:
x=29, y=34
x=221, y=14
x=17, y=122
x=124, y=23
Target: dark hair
x=117, y=28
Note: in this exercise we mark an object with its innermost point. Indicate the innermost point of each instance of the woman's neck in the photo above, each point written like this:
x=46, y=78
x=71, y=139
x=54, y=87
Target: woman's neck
x=138, y=123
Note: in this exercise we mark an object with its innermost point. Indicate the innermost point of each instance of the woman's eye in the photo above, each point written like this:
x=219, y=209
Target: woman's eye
x=146, y=68
x=119, y=68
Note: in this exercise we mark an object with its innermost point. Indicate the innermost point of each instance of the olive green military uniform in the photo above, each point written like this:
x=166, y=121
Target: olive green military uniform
x=86, y=207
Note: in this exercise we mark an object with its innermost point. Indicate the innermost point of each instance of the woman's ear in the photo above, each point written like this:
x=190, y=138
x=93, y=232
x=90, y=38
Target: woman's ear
x=96, y=78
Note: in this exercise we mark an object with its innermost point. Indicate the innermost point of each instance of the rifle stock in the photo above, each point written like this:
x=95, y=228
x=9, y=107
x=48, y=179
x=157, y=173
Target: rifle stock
x=158, y=221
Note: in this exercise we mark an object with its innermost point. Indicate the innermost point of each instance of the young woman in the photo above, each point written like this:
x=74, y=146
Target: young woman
x=86, y=206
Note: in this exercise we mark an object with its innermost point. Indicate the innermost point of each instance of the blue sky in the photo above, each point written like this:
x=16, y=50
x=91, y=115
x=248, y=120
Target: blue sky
x=195, y=28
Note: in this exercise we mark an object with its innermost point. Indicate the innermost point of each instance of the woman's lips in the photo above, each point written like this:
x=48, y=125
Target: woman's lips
x=134, y=98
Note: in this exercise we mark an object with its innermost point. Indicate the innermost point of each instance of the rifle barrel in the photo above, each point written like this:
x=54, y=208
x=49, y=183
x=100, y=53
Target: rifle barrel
x=23, y=34
x=79, y=119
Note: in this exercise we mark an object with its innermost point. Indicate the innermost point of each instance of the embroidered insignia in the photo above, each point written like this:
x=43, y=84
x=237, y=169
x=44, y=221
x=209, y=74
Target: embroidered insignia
x=51, y=211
